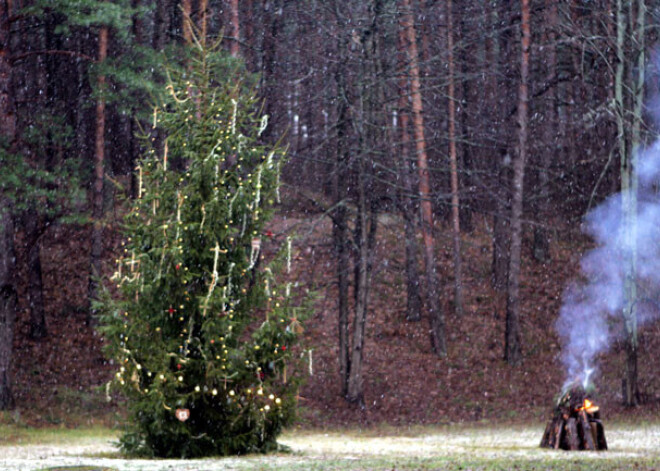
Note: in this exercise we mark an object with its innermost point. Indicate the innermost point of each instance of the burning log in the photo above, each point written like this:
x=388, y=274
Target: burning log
x=575, y=424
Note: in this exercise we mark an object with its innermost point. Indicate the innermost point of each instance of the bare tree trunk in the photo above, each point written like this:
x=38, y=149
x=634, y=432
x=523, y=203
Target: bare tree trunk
x=186, y=21
x=455, y=214
x=33, y=231
x=408, y=206
x=629, y=101
x=541, y=244
x=501, y=223
x=340, y=223
x=8, y=301
x=203, y=19
x=99, y=175
x=513, y=353
x=161, y=24
x=438, y=340
x=235, y=46
x=8, y=295
x=272, y=10
x=363, y=282
x=501, y=91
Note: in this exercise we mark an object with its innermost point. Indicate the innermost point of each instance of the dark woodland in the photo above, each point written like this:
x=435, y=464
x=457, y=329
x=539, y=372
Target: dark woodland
x=446, y=162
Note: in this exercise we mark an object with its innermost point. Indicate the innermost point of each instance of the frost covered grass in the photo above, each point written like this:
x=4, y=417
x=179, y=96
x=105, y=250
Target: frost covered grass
x=429, y=448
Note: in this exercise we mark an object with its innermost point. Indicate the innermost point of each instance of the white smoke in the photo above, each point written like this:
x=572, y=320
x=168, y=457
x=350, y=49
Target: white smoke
x=591, y=314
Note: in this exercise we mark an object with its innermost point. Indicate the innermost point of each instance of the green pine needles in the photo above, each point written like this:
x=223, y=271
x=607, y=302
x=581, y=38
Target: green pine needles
x=201, y=329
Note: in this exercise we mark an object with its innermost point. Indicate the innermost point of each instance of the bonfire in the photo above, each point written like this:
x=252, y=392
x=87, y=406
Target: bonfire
x=575, y=424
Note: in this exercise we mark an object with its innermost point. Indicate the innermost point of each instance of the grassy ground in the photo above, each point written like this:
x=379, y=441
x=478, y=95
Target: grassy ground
x=429, y=448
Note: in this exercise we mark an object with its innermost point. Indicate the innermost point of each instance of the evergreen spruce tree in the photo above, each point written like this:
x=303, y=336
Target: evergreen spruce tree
x=200, y=329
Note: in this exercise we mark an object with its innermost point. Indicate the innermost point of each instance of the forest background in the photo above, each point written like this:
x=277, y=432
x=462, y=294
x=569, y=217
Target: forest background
x=479, y=133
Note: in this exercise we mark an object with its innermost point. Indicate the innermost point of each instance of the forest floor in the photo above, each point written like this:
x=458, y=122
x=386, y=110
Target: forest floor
x=59, y=381
x=418, y=448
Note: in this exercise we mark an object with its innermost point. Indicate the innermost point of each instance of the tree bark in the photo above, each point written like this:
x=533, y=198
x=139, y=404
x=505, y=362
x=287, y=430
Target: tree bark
x=161, y=24
x=235, y=46
x=186, y=21
x=8, y=301
x=363, y=282
x=339, y=221
x=501, y=93
x=33, y=231
x=629, y=101
x=272, y=10
x=99, y=175
x=203, y=19
x=541, y=243
x=513, y=353
x=369, y=127
x=8, y=292
x=407, y=203
x=453, y=164
x=438, y=341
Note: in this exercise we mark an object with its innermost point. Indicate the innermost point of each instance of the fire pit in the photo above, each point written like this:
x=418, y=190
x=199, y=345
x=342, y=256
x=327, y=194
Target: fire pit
x=575, y=424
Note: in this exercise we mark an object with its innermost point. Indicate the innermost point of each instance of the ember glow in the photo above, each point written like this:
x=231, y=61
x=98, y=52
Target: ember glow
x=589, y=407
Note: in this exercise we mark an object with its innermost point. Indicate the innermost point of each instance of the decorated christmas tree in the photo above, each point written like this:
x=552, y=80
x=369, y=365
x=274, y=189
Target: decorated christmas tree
x=200, y=329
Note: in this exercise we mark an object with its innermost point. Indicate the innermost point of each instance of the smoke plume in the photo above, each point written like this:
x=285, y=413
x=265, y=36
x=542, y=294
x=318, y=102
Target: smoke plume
x=591, y=314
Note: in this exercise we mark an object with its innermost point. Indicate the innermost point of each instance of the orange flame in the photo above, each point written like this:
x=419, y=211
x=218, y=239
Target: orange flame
x=589, y=407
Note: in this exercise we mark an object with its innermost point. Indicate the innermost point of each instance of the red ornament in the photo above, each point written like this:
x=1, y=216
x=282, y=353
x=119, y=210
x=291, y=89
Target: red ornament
x=268, y=233
x=177, y=266
x=178, y=366
x=284, y=348
x=262, y=375
x=182, y=414
x=171, y=310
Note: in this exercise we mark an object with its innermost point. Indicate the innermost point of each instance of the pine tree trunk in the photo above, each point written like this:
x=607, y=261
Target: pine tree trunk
x=502, y=93
x=186, y=21
x=203, y=19
x=438, y=341
x=234, y=47
x=8, y=301
x=453, y=165
x=541, y=243
x=501, y=231
x=272, y=10
x=513, y=353
x=407, y=204
x=161, y=24
x=99, y=175
x=8, y=273
x=33, y=232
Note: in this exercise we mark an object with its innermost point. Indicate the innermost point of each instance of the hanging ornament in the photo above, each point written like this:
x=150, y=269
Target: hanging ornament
x=182, y=414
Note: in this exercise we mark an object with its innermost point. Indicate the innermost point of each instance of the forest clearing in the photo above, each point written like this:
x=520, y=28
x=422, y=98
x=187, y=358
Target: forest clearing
x=387, y=234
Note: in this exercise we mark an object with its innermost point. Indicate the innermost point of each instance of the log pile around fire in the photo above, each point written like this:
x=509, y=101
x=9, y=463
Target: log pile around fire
x=575, y=425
